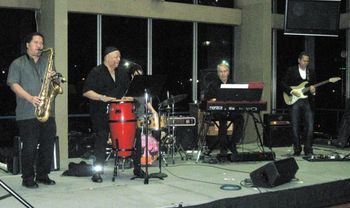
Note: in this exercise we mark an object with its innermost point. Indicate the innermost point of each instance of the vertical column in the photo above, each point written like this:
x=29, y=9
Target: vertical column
x=347, y=91
x=195, y=62
x=53, y=24
x=149, y=46
x=253, y=49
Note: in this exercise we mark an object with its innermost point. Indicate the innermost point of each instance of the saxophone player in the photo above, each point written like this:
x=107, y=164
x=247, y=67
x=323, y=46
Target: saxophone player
x=25, y=79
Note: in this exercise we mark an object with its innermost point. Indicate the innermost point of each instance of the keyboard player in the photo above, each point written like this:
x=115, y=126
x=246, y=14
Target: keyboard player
x=226, y=142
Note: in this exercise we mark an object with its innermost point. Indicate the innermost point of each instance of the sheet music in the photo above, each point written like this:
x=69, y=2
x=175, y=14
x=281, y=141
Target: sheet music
x=234, y=86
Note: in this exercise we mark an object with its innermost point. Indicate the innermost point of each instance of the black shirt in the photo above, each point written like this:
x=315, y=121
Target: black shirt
x=213, y=88
x=100, y=81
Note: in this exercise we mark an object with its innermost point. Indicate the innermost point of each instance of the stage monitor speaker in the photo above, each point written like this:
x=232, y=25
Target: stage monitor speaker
x=274, y=173
x=278, y=130
x=186, y=137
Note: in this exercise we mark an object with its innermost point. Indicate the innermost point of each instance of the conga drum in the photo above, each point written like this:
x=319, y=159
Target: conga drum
x=122, y=124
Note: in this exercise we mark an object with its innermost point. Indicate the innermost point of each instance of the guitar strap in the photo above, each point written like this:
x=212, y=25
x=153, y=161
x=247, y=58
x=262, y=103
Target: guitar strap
x=307, y=74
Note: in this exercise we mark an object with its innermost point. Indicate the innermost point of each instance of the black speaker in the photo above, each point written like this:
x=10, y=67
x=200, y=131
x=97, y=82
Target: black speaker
x=186, y=137
x=278, y=130
x=312, y=17
x=275, y=173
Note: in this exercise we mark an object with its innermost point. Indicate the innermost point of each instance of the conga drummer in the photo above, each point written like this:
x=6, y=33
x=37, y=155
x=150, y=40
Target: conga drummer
x=107, y=83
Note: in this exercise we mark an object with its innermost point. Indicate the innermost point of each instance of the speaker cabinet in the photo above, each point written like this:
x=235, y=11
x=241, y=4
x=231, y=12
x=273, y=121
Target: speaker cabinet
x=278, y=130
x=275, y=173
x=186, y=137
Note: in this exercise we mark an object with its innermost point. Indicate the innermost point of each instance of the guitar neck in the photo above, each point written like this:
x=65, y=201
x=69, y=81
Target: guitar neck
x=307, y=89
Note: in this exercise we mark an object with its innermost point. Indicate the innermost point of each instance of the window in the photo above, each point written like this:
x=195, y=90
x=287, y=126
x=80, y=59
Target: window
x=172, y=56
x=180, y=1
x=82, y=52
x=129, y=35
x=216, y=3
x=215, y=44
x=14, y=26
x=288, y=49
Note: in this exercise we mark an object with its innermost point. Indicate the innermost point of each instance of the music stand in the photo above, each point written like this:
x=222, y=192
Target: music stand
x=143, y=85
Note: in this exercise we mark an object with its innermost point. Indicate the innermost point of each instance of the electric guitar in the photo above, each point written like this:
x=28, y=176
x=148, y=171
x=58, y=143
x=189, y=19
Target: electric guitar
x=301, y=89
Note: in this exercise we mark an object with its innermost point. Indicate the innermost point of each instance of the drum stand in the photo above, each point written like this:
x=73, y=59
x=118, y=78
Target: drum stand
x=114, y=151
x=171, y=135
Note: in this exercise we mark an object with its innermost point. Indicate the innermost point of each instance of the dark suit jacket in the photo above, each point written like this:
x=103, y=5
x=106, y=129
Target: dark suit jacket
x=293, y=78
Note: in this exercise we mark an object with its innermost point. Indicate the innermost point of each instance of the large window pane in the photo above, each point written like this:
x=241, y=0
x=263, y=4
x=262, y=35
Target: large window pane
x=181, y=1
x=217, y=3
x=172, y=56
x=215, y=44
x=14, y=26
x=330, y=61
x=288, y=49
x=129, y=35
x=82, y=52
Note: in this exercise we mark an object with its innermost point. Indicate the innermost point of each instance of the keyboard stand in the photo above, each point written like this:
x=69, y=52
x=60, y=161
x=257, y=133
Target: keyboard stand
x=257, y=120
x=203, y=130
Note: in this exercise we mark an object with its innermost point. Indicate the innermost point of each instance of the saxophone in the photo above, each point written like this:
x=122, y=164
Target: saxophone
x=49, y=89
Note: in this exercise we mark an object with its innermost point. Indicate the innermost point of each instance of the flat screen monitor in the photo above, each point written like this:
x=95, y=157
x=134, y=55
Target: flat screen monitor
x=312, y=17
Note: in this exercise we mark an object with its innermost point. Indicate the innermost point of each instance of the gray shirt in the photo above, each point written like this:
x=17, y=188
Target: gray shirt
x=29, y=75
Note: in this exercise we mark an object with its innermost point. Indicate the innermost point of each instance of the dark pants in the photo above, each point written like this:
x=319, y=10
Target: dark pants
x=101, y=137
x=32, y=133
x=301, y=110
x=238, y=122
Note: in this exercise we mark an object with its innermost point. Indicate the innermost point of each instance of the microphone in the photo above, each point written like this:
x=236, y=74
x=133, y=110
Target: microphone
x=131, y=66
x=129, y=63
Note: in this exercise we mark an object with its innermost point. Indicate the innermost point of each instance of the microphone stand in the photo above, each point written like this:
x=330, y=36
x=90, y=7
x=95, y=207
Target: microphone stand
x=143, y=85
x=146, y=134
x=160, y=174
x=153, y=175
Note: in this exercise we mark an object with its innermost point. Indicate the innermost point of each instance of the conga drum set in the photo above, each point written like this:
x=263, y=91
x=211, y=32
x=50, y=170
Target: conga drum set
x=122, y=124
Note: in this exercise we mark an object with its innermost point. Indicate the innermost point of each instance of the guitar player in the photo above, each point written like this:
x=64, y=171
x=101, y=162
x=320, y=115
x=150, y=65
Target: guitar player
x=302, y=109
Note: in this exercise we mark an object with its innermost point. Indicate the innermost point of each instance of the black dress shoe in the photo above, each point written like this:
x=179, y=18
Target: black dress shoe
x=30, y=184
x=97, y=178
x=139, y=172
x=46, y=181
